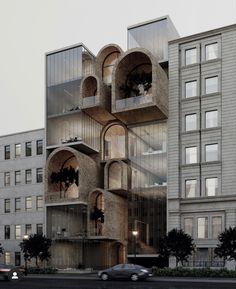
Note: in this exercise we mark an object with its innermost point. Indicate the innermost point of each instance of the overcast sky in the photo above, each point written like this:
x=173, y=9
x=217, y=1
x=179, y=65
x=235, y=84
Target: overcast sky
x=30, y=28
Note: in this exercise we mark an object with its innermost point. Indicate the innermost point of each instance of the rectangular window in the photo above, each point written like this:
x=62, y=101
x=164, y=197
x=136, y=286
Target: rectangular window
x=7, y=232
x=28, y=176
x=17, y=259
x=211, y=119
x=190, y=56
x=191, y=155
x=191, y=122
x=17, y=150
x=17, y=177
x=18, y=232
x=39, y=203
x=211, y=85
x=7, y=258
x=39, y=229
x=28, y=203
x=7, y=206
x=211, y=186
x=190, y=188
x=28, y=149
x=216, y=226
x=202, y=228
x=39, y=175
x=7, y=152
x=211, y=51
x=28, y=229
x=39, y=147
x=188, y=226
x=7, y=179
x=190, y=88
x=17, y=204
x=211, y=152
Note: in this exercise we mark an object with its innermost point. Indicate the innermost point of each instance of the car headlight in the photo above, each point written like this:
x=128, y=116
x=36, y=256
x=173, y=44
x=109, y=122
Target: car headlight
x=144, y=270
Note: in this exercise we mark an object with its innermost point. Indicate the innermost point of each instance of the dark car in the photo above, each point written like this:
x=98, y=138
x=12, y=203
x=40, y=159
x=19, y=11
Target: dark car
x=125, y=271
x=11, y=273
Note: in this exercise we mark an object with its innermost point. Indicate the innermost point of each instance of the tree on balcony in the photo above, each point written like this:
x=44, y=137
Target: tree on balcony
x=137, y=83
x=65, y=177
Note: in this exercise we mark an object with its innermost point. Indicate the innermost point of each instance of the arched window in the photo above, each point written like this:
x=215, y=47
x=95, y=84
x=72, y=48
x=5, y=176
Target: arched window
x=100, y=201
x=108, y=65
x=115, y=176
x=114, y=142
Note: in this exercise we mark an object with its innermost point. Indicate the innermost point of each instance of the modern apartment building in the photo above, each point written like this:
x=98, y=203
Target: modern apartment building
x=106, y=142
x=22, y=162
x=202, y=137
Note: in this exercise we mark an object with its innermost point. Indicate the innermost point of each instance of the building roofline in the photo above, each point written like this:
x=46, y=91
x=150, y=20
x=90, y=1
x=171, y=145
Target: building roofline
x=22, y=132
x=148, y=22
x=69, y=47
x=203, y=34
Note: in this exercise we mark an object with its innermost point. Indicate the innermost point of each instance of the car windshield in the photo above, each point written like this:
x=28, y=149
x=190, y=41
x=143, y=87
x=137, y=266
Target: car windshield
x=117, y=267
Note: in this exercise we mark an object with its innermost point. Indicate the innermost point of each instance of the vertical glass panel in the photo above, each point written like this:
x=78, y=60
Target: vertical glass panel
x=39, y=175
x=17, y=177
x=191, y=122
x=28, y=229
x=211, y=186
x=17, y=258
x=39, y=147
x=114, y=142
x=191, y=155
x=115, y=174
x=211, y=85
x=17, y=150
x=147, y=201
x=7, y=206
x=39, y=229
x=7, y=151
x=28, y=176
x=7, y=258
x=18, y=232
x=28, y=203
x=211, y=51
x=188, y=226
x=190, y=56
x=28, y=149
x=39, y=203
x=17, y=204
x=108, y=65
x=190, y=188
x=216, y=226
x=202, y=228
x=191, y=88
x=211, y=152
x=7, y=232
x=7, y=179
x=211, y=118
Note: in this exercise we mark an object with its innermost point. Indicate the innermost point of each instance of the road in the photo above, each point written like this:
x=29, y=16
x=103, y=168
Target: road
x=94, y=283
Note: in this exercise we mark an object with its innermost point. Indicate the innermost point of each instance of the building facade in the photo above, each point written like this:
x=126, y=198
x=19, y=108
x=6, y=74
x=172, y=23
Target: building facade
x=106, y=141
x=22, y=162
x=201, y=138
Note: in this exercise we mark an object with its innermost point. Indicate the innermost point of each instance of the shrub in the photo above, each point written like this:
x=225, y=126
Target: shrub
x=47, y=270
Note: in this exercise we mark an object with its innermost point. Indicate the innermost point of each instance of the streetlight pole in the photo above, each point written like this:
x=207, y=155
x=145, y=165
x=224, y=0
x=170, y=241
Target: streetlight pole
x=135, y=234
x=25, y=238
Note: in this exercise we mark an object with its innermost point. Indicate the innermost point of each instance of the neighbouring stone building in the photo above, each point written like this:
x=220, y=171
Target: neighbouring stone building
x=22, y=212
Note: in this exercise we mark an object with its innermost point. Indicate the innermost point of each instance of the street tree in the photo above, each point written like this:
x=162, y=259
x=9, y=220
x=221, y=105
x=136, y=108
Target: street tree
x=177, y=244
x=226, y=248
x=36, y=246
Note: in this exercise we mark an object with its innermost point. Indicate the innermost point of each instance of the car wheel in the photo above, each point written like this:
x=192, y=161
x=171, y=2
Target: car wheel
x=15, y=275
x=134, y=277
x=104, y=276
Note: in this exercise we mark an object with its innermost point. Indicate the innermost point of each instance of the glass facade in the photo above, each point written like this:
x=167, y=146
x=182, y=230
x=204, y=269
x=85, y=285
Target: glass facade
x=147, y=202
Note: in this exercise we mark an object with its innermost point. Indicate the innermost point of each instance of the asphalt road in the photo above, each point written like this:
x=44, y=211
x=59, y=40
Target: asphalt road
x=88, y=283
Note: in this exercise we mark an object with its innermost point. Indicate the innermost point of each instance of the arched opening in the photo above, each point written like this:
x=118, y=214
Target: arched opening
x=114, y=176
x=89, y=87
x=114, y=142
x=97, y=214
x=108, y=65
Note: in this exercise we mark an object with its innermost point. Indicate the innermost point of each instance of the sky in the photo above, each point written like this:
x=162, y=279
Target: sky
x=31, y=28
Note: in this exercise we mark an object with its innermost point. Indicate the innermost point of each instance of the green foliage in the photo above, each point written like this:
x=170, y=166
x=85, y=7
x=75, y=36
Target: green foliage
x=227, y=247
x=37, y=247
x=97, y=215
x=66, y=177
x=47, y=270
x=177, y=244
x=193, y=272
x=134, y=80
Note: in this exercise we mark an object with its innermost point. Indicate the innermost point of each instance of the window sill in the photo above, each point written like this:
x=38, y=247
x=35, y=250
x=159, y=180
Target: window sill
x=215, y=60
x=192, y=65
x=211, y=163
x=211, y=94
x=191, y=98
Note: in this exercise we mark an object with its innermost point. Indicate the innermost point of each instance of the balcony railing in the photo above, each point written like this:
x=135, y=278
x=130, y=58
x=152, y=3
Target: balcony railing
x=132, y=101
x=205, y=264
x=90, y=101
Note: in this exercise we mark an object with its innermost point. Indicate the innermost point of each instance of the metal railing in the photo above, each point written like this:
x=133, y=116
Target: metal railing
x=132, y=101
x=205, y=263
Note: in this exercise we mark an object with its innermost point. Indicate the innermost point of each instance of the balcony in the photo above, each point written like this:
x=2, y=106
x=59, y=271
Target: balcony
x=95, y=99
x=139, y=88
